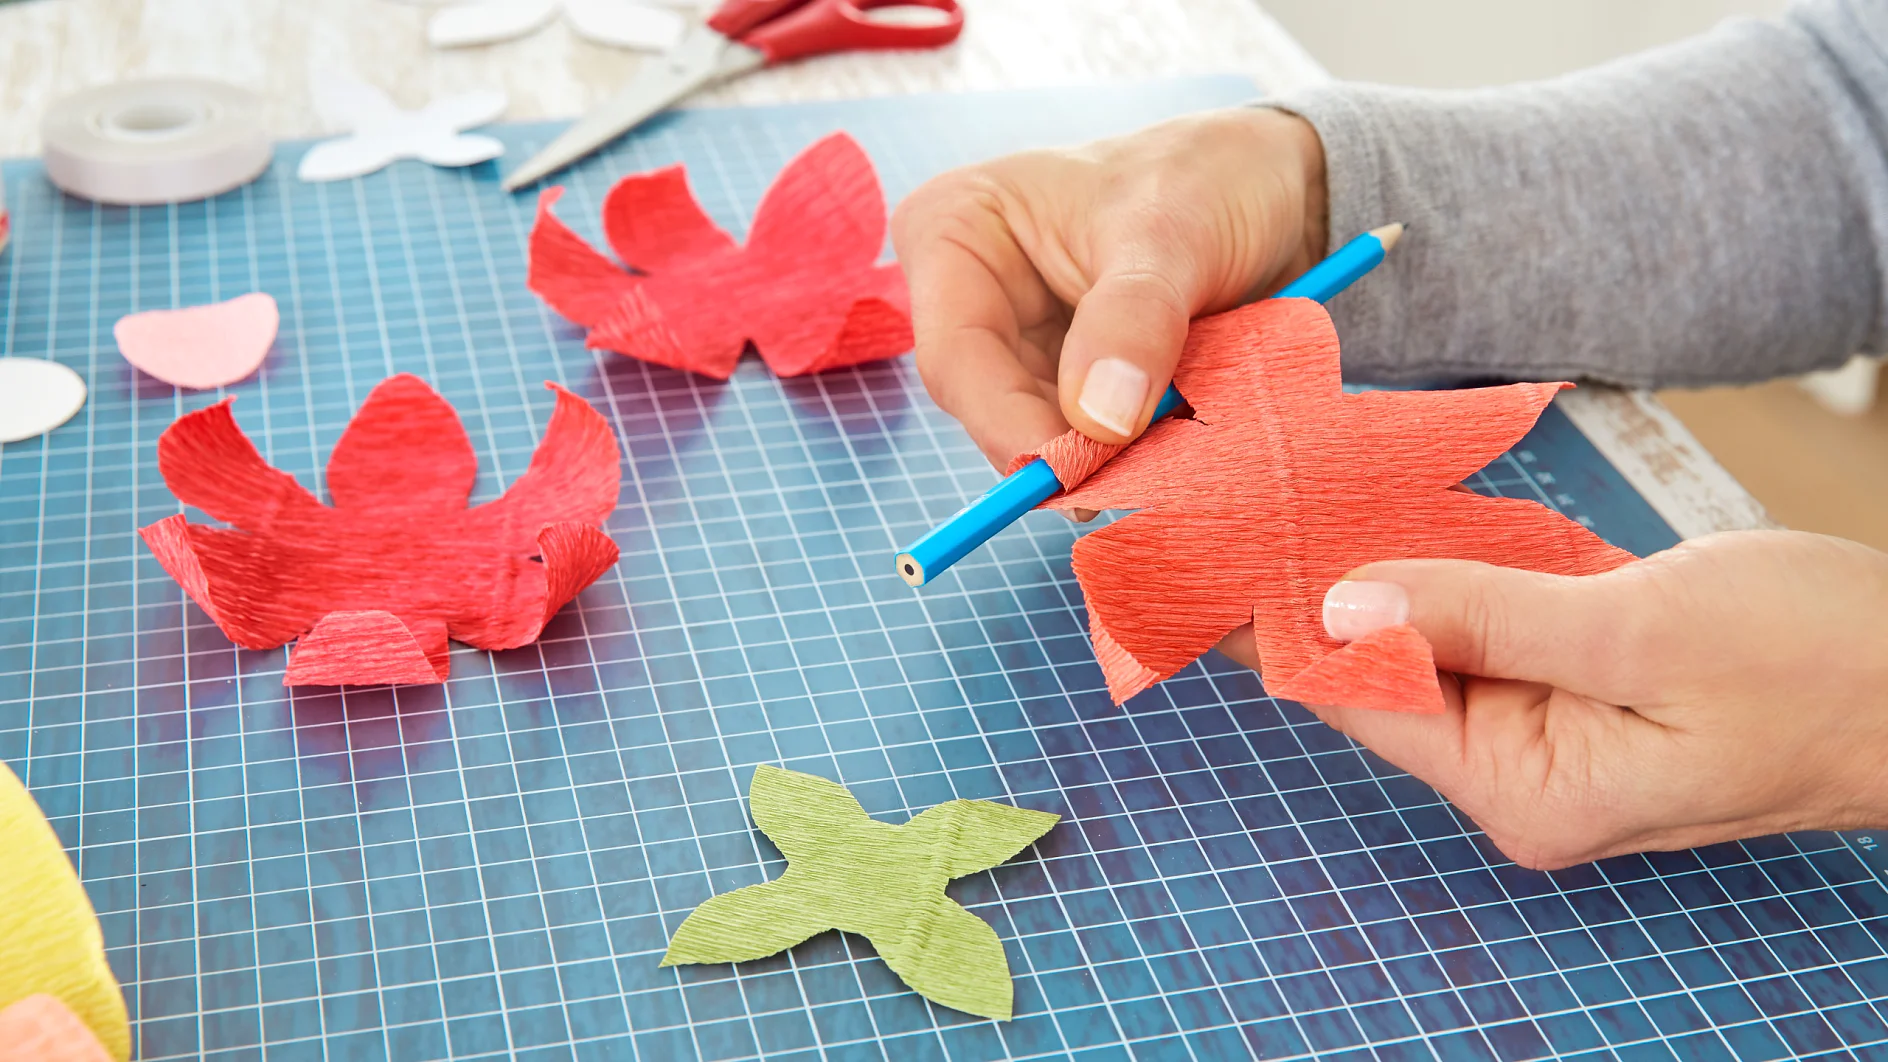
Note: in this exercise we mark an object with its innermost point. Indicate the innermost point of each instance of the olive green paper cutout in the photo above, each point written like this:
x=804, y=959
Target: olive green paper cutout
x=886, y=883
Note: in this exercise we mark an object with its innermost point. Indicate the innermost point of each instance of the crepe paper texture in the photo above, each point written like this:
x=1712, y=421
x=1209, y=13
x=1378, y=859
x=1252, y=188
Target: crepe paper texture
x=807, y=290
x=886, y=883
x=50, y=943
x=39, y=1028
x=201, y=347
x=623, y=23
x=1278, y=486
x=36, y=396
x=383, y=133
x=374, y=584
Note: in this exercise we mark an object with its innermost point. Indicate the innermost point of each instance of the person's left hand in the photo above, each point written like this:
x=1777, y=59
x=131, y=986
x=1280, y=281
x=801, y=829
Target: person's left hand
x=1733, y=686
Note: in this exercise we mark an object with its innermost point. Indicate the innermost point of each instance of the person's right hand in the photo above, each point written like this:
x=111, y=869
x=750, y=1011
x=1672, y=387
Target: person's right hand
x=1053, y=289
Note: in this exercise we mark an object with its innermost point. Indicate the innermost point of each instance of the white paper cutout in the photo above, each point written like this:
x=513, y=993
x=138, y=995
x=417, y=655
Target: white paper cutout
x=382, y=132
x=36, y=396
x=624, y=23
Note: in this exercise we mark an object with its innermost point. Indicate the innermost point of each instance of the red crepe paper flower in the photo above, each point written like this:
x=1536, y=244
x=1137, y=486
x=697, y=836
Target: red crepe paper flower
x=374, y=584
x=1280, y=485
x=807, y=289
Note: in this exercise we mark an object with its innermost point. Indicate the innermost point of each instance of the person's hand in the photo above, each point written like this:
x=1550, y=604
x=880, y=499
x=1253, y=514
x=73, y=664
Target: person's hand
x=1733, y=686
x=1053, y=289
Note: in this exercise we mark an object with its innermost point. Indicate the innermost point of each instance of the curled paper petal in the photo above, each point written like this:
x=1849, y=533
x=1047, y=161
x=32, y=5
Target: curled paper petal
x=1280, y=485
x=849, y=872
x=807, y=290
x=375, y=583
x=201, y=346
x=36, y=396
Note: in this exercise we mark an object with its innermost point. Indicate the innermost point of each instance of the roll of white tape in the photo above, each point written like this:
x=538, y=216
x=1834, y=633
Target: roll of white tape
x=161, y=140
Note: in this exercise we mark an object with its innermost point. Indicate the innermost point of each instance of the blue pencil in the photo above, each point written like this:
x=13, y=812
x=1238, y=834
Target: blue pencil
x=1033, y=484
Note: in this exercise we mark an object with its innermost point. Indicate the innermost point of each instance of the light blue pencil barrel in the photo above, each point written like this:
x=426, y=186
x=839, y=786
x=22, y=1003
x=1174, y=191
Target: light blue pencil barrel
x=1035, y=482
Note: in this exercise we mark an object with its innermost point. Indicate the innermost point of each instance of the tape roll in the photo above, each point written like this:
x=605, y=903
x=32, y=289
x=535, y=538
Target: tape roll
x=160, y=140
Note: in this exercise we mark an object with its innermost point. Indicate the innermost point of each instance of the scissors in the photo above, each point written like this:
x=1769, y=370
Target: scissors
x=740, y=37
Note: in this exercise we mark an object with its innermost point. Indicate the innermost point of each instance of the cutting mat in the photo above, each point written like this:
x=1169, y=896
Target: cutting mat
x=492, y=868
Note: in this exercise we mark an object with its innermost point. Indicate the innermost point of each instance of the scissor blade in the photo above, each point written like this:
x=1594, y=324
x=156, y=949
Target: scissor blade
x=704, y=56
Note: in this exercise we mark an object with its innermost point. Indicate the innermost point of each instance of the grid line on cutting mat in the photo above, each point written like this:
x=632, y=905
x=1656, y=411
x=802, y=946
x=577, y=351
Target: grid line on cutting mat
x=492, y=868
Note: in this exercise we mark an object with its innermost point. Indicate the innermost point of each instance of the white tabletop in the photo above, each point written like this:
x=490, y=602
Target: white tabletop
x=49, y=48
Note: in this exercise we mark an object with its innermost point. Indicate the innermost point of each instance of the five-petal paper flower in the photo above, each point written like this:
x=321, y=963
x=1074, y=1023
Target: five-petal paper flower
x=807, y=290
x=374, y=584
x=849, y=872
x=1279, y=485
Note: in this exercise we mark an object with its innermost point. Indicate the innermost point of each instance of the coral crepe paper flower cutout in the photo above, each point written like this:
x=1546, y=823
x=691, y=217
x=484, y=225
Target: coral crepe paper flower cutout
x=201, y=346
x=1280, y=485
x=374, y=584
x=807, y=289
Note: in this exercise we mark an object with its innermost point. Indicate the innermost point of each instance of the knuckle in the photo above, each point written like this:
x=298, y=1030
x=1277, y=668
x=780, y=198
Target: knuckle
x=947, y=201
x=1484, y=622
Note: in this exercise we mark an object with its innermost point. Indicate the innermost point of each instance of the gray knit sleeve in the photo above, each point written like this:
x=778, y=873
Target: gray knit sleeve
x=1712, y=211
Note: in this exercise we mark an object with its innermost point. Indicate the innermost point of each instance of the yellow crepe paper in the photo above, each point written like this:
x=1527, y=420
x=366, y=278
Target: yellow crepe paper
x=49, y=937
x=886, y=883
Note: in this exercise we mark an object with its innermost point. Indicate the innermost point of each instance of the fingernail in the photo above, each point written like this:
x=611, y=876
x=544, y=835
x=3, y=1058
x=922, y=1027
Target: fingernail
x=1354, y=608
x=1114, y=393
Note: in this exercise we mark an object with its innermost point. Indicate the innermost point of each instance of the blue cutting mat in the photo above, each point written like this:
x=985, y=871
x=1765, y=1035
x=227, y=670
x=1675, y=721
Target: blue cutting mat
x=492, y=867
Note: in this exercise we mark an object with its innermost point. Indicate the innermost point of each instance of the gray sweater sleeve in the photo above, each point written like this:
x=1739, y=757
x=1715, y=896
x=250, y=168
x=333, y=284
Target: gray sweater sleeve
x=1708, y=212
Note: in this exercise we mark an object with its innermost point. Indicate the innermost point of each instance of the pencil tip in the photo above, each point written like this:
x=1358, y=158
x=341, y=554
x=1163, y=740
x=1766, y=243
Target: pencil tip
x=1387, y=235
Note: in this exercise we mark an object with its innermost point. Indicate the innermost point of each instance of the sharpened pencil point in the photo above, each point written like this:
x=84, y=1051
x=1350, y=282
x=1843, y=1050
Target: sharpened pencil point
x=1387, y=235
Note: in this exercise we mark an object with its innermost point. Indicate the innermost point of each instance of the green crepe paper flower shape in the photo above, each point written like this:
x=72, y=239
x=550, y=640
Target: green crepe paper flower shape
x=886, y=883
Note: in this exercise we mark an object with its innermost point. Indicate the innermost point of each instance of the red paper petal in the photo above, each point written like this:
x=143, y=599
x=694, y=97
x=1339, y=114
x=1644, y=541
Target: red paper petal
x=824, y=212
x=807, y=290
x=404, y=449
x=574, y=476
x=1282, y=485
x=1392, y=670
x=208, y=462
x=575, y=556
x=489, y=576
x=640, y=325
x=653, y=222
x=565, y=272
x=367, y=649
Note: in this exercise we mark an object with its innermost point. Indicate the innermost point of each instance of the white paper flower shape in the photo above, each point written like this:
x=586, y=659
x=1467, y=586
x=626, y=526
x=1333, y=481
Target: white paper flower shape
x=624, y=23
x=382, y=132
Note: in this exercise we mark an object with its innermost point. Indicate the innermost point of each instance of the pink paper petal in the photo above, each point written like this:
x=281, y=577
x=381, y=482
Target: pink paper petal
x=201, y=346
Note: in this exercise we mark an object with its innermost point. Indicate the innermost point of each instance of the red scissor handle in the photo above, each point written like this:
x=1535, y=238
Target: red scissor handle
x=735, y=17
x=794, y=29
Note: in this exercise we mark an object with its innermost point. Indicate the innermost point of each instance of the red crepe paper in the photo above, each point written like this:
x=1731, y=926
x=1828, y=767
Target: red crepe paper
x=807, y=289
x=375, y=584
x=1280, y=485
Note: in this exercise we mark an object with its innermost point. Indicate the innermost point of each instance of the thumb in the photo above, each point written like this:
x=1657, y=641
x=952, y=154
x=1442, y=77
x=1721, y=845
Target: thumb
x=1572, y=632
x=1119, y=355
